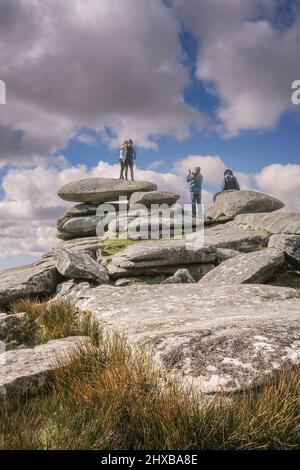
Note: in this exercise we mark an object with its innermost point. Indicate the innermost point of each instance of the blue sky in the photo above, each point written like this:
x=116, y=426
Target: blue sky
x=193, y=82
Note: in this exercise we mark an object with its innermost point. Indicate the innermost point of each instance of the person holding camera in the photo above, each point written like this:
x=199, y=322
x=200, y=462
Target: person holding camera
x=195, y=180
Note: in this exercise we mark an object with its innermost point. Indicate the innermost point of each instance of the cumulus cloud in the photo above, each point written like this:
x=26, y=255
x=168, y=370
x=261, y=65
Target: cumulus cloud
x=245, y=59
x=281, y=181
x=112, y=66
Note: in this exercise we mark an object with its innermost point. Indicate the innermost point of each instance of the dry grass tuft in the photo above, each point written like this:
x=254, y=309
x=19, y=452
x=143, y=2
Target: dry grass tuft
x=112, y=397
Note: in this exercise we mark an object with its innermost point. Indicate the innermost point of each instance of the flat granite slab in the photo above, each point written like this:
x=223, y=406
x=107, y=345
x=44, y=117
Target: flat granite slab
x=102, y=189
x=218, y=338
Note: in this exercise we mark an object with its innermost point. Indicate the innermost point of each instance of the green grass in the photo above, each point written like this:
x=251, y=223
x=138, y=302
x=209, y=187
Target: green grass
x=113, y=397
x=112, y=247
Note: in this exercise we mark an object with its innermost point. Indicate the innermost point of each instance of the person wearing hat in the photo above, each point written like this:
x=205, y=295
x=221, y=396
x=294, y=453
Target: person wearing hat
x=230, y=182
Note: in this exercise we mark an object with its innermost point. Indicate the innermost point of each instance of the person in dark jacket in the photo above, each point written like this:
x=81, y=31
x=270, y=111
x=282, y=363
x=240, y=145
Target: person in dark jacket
x=195, y=180
x=130, y=159
x=230, y=182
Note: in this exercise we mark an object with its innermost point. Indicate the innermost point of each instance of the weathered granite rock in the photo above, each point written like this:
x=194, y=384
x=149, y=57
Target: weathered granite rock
x=153, y=197
x=247, y=268
x=79, y=226
x=102, y=189
x=290, y=244
x=91, y=245
x=229, y=236
x=280, y=222
x=39, y=278
x=81, y=210
x=182, y=276
x=86, y=209
x=25, y=371
x=10, y=325
x=196, y=270
x=222, y=340
x=225, y=253
x=231, y=203
x=150, y=257
x=153, y=257
x=76, y=265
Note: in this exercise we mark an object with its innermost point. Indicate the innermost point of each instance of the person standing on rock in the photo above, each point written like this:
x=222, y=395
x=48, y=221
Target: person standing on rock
x=195, y=180
x=230, y=182
x=130, y=159
x=123, y=152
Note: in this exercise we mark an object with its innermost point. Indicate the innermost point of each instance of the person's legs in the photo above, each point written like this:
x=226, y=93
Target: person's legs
x=194, y=209
x=122, y=165
x=196, y=201
x=126, y=170
x=131, y=164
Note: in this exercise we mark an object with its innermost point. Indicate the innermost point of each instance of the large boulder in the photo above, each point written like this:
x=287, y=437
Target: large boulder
x=231, y=237
x=167, y=256
x=25, y=371
x=153, y=197
x=79, y=265
x=88, y=208
x=220, y=339
x=231, y=203
x=81, y=210
x=290, y=244
x=78, y=226
x=40, y=278
x=90, y=245
x=247, y=268
x=280, y=222
x=102, y=189
x=150, y=257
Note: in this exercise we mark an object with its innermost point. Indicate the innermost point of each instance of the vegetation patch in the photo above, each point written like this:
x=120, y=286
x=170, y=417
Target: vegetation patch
x=113, y=397
x=48, y=321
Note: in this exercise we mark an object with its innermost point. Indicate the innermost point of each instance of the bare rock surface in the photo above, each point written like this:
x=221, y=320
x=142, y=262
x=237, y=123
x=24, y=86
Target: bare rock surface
x=91, y=245
x=78, y=227
x=231, y=203
x=39, y=278
x=102, y=189
x=290, y=244
x=257, y=267
x=153, y=197
x=152, y=256
x=234, y=238
x=79, y=265
x=221, y=339
x=25, y=371
x=277, y=223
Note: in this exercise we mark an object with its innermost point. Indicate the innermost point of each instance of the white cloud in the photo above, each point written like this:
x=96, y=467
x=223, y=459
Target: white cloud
x=105, y=64
x=281, y=181
x=248, y=64
x=156, y=164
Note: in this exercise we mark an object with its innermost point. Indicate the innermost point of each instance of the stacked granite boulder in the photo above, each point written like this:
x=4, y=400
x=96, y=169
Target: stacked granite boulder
x=126, y=197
